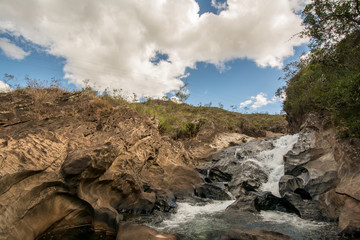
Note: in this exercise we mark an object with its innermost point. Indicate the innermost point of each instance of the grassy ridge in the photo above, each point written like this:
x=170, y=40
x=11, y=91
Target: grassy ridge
x=185, y=121
x=178, y=121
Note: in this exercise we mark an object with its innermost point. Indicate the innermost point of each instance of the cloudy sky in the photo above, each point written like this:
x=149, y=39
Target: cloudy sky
x=229, y=51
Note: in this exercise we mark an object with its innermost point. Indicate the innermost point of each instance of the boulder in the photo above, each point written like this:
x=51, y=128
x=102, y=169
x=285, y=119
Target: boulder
x=254, y=234
x=258, y=201
x=314, y=164
x=244, y=203
x=288, y=184
x=307, y=209
x=235, y=166
x=214, y=191
x=267, y=201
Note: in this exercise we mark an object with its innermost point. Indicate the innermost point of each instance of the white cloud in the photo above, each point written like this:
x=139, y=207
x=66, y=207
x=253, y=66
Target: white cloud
x=245, y=103
x=112, y=42
x=260, y=100
x=176, y=100
x=4, y=87
x=219, y=5
x=11, y=50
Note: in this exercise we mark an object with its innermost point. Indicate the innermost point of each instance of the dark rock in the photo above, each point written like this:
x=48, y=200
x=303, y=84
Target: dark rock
x=254, y=235
x=165, y=201
x=212, y=191
x=308, y=209
x=288, y=184
x=267, y=201
x=303, y=193
x=244, y=203
x=258, y=201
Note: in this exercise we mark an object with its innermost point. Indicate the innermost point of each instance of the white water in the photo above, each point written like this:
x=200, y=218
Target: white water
x=187, y=212
x=272, y=161
x=291, y=219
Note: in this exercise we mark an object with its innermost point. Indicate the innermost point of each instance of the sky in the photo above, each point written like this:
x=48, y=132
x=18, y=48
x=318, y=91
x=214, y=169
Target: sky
x=230, y=52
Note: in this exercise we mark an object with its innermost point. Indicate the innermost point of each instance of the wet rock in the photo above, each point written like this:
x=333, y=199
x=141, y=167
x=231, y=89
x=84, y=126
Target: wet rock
x=314, y=165
x=307, y=209
x=258, y=201
x=254, y=235
x=214, y=191
x=288, y=184
x=130, y=231
x=244, y=203
x=267, y=201
x=165, y=201
x=233, y=167
x=252, y=149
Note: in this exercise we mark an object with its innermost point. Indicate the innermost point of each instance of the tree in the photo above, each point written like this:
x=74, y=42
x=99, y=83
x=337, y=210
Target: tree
x=183, y=93
x=221, y=105
x=328, y=21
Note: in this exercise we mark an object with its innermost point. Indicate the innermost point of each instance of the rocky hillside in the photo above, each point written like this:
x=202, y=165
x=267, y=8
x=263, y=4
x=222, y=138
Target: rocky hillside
x=327, y=167
x=74, y=159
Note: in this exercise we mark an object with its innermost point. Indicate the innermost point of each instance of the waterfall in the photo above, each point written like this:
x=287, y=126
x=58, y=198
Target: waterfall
x=272, y=161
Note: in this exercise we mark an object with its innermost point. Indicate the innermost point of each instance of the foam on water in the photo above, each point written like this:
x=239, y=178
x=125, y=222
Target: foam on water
x=272, y=161
x=187, y=211
x=291, y=219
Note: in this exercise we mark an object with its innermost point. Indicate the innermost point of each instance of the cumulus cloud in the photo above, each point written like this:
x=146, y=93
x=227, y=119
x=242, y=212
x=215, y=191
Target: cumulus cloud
x=112, y=43
x=11, y=50
x=4, y=87
x=246, y=103
x=219, y=5
x=260, y=100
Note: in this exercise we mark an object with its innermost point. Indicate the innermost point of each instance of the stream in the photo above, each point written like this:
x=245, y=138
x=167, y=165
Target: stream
x=209, y=220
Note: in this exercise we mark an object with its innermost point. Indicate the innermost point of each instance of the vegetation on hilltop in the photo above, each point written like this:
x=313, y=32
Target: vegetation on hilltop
x=178, y=121
x=185, y=121
x=327, y=81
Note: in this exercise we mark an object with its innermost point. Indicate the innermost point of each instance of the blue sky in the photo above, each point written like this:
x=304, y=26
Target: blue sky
x=208, y=58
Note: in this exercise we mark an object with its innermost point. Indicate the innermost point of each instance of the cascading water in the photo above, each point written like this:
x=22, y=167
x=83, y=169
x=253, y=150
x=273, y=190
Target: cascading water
x=272, y=162
x=207, y=221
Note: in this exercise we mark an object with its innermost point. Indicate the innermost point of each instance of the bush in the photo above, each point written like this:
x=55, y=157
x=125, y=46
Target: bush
x=330, y=85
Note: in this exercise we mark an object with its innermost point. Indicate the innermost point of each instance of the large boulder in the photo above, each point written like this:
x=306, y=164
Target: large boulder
x=307, y=208
x=212, y=191
x=262, y=201
x=288, y=184
x=314, y=164
x=234, y=166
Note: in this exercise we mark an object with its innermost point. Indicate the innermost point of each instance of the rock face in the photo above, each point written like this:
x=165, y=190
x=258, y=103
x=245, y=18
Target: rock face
x=69, y=159
x=231, y=166
x=327, y=168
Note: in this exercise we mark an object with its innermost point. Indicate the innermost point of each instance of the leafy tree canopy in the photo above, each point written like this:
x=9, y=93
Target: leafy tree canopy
x=328, y=21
